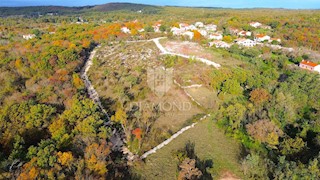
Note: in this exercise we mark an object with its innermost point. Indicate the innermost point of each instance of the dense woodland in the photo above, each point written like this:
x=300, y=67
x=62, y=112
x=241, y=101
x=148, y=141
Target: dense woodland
x=50, y=129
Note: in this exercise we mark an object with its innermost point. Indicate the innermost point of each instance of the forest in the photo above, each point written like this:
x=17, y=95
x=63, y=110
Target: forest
x=51, y=129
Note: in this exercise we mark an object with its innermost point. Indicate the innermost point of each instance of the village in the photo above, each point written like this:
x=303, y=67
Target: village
x=218, y=39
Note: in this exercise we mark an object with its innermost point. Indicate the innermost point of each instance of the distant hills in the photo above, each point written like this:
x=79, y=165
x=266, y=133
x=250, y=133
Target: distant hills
x=62, y=10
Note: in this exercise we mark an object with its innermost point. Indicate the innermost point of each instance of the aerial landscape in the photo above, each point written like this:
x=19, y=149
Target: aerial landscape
x=160, y=90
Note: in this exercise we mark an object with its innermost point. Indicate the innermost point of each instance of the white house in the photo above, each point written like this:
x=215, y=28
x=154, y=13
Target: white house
x=177, y=31
x=125, y=30
x=191, y=27
x=244, y=33
x=265, y=27
x=210, y=27
x=203, y=32
x=234, y=31
x=156, y=27
x=255, y=24
x=29, y=36
x=219, y=44
x=275, y=39
x=189, y=34
x=246, y=42
x=199, y=24
x=215, y=36
x=184, y=26
x=141, y=30
x=317, y=69
x=304, y=64
x=261, y=38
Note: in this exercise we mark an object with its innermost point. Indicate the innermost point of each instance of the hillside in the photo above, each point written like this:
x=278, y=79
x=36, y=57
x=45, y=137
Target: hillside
x=34, y=11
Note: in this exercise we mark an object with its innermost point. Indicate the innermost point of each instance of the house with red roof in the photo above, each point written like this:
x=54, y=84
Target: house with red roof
x=305, y=64
x=261, y=38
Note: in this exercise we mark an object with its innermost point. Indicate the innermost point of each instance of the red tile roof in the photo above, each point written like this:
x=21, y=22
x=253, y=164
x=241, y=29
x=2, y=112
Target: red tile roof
x=309, y=63
x=260, y=35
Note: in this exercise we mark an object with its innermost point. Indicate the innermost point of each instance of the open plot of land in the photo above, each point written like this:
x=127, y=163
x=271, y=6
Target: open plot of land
x=210, y=144
x=195, y=49
x=119, y=74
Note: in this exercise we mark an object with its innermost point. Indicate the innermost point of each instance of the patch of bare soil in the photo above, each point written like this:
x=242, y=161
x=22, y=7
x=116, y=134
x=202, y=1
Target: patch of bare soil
x=187, y=48
x=227, y=175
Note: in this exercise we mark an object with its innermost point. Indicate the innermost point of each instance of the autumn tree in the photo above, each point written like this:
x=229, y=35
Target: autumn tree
x=188, y=170
x=96, y=157
x=196, y=35
x=259, y=96
x=265, y=131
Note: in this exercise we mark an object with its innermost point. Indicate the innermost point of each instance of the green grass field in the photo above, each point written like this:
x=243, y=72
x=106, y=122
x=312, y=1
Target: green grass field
x=210, y=144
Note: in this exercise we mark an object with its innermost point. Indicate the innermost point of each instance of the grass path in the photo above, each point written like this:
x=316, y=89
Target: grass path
x=210, y=144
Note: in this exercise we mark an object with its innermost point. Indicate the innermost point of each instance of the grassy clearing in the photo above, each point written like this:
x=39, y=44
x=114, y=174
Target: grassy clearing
x=210, y=144
x=207, y=98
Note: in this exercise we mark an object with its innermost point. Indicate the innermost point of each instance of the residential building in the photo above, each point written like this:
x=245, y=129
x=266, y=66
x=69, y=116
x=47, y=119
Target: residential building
x=189, y=34
x=210, y=27
x=125, y=30
x=246, y=42
x=219, y=44
x=244, y=33
x=29, y=36
x=255, y=24
x=215, y=36
x=199, y=24
x=305, y=64
x=261, y=38
x=203, y=32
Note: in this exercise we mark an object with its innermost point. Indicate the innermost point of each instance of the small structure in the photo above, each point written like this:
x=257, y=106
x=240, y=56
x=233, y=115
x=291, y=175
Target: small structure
x=189, y=34
x=246, y=42
x=177, y=31
x=255, y=24
x=184, y=26
x=265, y=27
x=125, y=30
x=203, y=32
x=210, y=27
x=199, y=24
x=156, y=27
x=215, y=36
x=261, y=38
x=234, y=31
x=141, y=30
x=219, y=44
x=305, y=64
x=275, y=39
x=28, y=36
x=244, y=33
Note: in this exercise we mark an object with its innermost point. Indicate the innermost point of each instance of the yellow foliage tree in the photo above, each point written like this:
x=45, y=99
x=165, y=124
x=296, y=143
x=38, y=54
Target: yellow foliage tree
x=65, y=158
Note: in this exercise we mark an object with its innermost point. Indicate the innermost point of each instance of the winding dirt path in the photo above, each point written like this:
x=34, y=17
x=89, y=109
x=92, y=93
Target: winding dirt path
x=117, y=139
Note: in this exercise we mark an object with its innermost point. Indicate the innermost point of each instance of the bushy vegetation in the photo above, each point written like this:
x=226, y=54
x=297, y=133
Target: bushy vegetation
x=49, y=129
